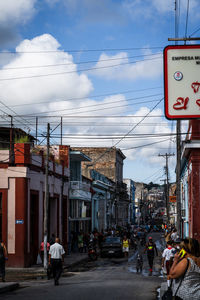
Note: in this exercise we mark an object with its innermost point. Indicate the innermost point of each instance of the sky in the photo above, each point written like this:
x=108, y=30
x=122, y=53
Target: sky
x=99, y=66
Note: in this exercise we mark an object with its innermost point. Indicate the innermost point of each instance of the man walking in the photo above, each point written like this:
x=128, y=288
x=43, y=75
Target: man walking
x=56, y=258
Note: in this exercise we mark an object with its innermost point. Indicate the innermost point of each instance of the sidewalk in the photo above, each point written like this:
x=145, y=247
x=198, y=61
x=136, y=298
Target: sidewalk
x=16, y=275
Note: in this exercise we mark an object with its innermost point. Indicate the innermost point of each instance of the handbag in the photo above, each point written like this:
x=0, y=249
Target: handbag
x=167, y=294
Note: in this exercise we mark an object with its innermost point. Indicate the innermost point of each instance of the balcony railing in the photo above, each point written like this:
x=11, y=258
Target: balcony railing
x=79, y=190
x=79, y=185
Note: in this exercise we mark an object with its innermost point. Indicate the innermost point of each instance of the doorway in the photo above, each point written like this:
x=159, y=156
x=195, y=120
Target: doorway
x=34, y=219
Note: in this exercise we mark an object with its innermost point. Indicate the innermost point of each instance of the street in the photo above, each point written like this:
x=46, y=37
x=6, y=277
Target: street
x=108, y=279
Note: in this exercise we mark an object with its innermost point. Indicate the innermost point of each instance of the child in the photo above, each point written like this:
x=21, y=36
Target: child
x=139, y=263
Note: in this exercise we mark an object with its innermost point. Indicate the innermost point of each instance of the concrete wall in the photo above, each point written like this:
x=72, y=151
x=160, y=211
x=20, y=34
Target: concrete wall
x=109, y=162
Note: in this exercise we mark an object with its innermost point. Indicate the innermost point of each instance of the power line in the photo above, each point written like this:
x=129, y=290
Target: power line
x=126, y=135
x=138, y=123
x=102, y=104
x=78, y=63
x=92, y=96
x=145, y=145
x=94, y=117
x=135, y=135
x=82, y=50
x=153, y=174
x=70, y=72
x=74, y=124
x=186, y=24
x=194, y=32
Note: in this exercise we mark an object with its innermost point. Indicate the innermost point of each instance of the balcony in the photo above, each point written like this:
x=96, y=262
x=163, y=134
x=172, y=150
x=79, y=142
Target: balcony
x=79, y=190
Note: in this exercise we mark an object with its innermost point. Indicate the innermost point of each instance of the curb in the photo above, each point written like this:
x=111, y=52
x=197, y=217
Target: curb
x=7, y=287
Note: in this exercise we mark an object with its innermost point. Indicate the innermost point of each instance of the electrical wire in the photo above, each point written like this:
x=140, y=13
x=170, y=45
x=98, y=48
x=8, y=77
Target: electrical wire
x=194, y=32
x=70, y=72
x=187, y=16
x=75, y=124
x=145, y=145
x=78, y=63
x=126, y=135
x=101, y=104
x=83, y=50
x=153, y=174
x=94, y=117
x=92, y=96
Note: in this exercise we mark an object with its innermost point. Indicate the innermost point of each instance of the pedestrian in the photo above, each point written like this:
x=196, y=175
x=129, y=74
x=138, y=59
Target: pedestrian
x=139, y=263
x=167, y=260
x=86, y=240
x=56, y=259
x=150, y=248
x=3, y=258
x=186, y=271
x=100, y=238
x=80, y=242
x=174, y=235
x=52, y=239
x=125, y=245
x=42, y=250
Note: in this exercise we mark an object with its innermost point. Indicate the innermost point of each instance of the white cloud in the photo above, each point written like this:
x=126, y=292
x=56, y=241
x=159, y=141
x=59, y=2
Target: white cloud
x=147, y=9
x=121, y=68
x=44, y=88
x=16, y=11
x=133, y=147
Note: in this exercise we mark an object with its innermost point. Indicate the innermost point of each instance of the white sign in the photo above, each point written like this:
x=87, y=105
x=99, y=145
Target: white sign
x=182, y=81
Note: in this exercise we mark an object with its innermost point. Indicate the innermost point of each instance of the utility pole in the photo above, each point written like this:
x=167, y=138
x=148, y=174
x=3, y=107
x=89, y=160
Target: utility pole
x=36, y=129
x=165, y=191
x=61, y=130
x=12, y=154
x=46, y=201
x=178, y=145
x=167, y=155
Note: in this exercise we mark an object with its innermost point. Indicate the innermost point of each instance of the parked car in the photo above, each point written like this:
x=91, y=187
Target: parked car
x=112, y=246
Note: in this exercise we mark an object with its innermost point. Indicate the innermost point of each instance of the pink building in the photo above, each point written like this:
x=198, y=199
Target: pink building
x=190, y=196
x=22, y=191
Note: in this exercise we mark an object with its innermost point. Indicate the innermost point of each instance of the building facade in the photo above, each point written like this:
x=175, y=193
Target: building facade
x=109, y=162
x=190, y=191
x=79, y=195
x=22, y=193
x=131, y=194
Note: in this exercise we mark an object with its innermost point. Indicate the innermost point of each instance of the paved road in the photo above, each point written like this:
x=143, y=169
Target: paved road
x=108, y=281
x=111, y=279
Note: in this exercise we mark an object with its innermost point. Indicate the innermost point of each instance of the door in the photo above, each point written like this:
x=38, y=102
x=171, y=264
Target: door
x=34, y=219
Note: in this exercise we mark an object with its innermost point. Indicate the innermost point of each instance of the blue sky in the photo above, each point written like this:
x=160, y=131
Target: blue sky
x=101, y=62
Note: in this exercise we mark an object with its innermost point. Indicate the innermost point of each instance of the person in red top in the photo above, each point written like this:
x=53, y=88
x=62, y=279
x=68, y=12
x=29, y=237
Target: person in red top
x=42, y=250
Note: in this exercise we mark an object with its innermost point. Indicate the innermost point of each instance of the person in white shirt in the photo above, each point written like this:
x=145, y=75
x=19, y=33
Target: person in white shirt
x=167, y=259
x=56, y=258
x=174, y=235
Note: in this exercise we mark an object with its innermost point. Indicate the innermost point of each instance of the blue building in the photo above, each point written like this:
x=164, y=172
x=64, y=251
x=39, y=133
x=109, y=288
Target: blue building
x=131, y=194
x=102, y=201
